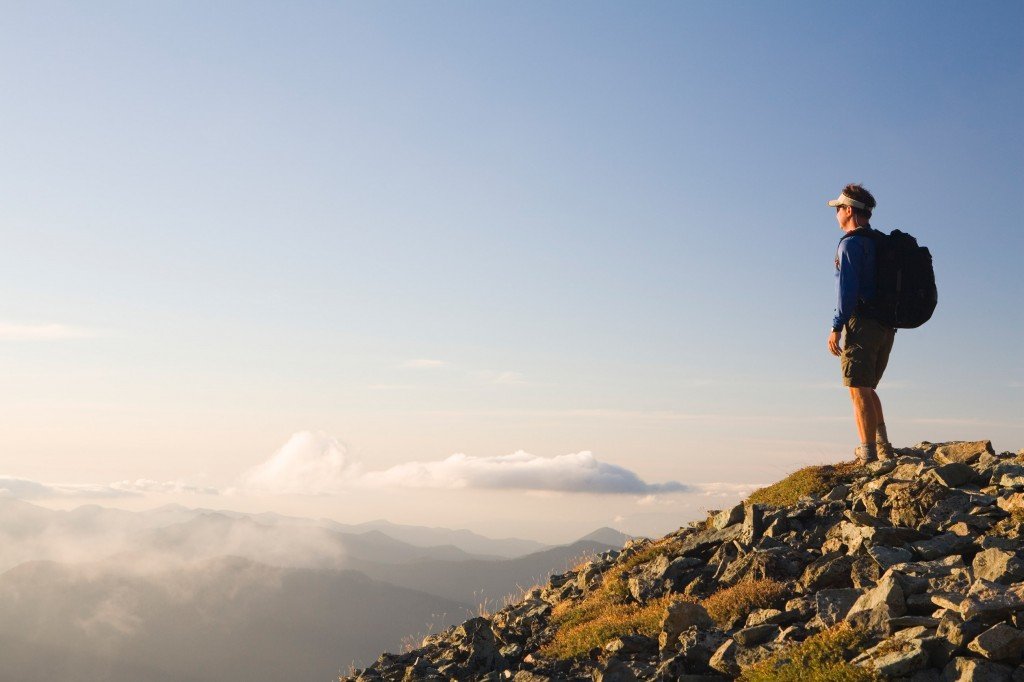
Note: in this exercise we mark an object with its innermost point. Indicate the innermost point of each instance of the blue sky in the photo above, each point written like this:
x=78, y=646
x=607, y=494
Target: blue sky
x=423, y=229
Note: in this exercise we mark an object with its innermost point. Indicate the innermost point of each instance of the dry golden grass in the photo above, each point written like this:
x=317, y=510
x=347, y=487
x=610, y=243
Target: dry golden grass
x=822, y=658
x=599, y=621
x=727, y=604
x=807, y=481
x=605, y=613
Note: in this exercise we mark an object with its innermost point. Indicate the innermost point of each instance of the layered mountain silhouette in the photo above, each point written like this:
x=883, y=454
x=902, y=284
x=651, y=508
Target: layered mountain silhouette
x=200, y=595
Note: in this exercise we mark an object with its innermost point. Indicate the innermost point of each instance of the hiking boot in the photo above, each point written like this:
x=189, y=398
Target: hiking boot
x=885, y=451
x=863, y=456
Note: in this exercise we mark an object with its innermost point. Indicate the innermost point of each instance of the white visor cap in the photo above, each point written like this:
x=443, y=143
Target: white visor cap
x=844, y=200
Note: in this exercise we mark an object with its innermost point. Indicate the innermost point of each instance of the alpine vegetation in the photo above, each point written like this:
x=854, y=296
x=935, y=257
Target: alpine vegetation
x=908, y=568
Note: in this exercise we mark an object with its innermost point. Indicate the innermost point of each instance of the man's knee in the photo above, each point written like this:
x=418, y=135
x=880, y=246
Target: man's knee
x=865, y=393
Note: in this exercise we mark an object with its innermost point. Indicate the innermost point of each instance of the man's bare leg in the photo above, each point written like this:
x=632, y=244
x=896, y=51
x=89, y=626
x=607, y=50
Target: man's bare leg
x=879, y=418
x=882, y=444
x=866, y=410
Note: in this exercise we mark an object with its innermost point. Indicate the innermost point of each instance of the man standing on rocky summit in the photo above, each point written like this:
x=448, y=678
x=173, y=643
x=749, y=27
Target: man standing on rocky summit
x=865, y=351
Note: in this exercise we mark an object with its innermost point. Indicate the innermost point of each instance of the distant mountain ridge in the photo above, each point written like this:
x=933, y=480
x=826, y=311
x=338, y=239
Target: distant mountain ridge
x=195, y=595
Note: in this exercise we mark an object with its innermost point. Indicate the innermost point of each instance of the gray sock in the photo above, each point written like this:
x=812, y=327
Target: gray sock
x=869, y=449
x=880, y=435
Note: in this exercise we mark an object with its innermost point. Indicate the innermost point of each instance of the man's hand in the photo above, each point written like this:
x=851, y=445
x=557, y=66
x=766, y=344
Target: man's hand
x=833, y=343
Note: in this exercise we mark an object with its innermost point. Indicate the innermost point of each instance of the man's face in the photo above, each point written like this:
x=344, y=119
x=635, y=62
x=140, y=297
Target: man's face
x=844, y=216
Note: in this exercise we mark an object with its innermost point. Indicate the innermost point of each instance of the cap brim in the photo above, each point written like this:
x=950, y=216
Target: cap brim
x=844, y=200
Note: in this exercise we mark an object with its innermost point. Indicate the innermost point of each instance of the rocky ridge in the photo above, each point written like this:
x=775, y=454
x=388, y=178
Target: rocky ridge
x=915, y=565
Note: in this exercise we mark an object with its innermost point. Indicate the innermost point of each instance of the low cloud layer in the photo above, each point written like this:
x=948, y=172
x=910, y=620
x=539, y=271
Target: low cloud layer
x=145, y=485
x=24, y=489
x=579, y=472
x=308, y=464
x=316, y=464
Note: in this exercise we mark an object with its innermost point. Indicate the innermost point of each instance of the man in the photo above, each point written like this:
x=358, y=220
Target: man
x=865, y=352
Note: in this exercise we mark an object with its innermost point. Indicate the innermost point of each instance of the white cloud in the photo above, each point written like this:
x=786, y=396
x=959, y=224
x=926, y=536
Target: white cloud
x=728, y=489
x=313, y=463
x=308, y=464
x=145, y=485
x=579, y=472
x=424, y=363
x=24, y=489
x=42, y=332
x=316, y=464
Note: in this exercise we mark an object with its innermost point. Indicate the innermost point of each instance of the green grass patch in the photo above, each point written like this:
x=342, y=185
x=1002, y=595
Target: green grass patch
x=812, y=480
x=825, y=657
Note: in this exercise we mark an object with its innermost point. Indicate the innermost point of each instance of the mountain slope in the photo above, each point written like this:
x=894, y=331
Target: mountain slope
x=468, y=541
x=225, y=619
x=486, y=583
x=905, y=569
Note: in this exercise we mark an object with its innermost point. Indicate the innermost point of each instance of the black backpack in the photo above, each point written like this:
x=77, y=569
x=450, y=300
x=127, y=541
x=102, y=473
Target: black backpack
x=905, y=293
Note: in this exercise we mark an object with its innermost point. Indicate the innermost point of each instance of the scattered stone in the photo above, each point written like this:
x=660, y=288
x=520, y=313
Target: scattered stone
x=756, y=634
x=631, y=644
x=952, y=475
x=753, y=523
x=698, y=646
x=887, y=595
x=906, y=658
x=771, y=617
x=975, y=670
x=942, y=545
x=903, y=622
x=999, y=565
x=865, y=572
x=726, y=518
x=989, y=602
x=830, y=571
x=1001, y=642
x=925, y=554
x=1011, y=502
x=678, y=617
x=964, y=452
x=887, y=557
x=648, y=582
x=832, y=606
x=614, y=670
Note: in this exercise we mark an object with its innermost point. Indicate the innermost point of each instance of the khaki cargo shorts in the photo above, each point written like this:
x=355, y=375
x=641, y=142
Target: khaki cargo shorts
x=866, y=351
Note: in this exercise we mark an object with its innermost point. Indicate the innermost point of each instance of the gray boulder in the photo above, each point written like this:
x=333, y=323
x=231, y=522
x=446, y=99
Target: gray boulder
x=679, y=617
x=963, y=669
x=964, y=452
x=989, y=602
x=902, y=659
x=999, y=565
x=756, y=634
x=831, y=606
x=614, y=670
x=952, y=475
x=1001, y=642
x=942, y=545
x=729, y=517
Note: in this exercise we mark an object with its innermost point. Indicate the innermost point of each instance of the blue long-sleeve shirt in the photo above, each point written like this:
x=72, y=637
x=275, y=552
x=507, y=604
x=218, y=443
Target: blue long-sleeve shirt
x=855, y=276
